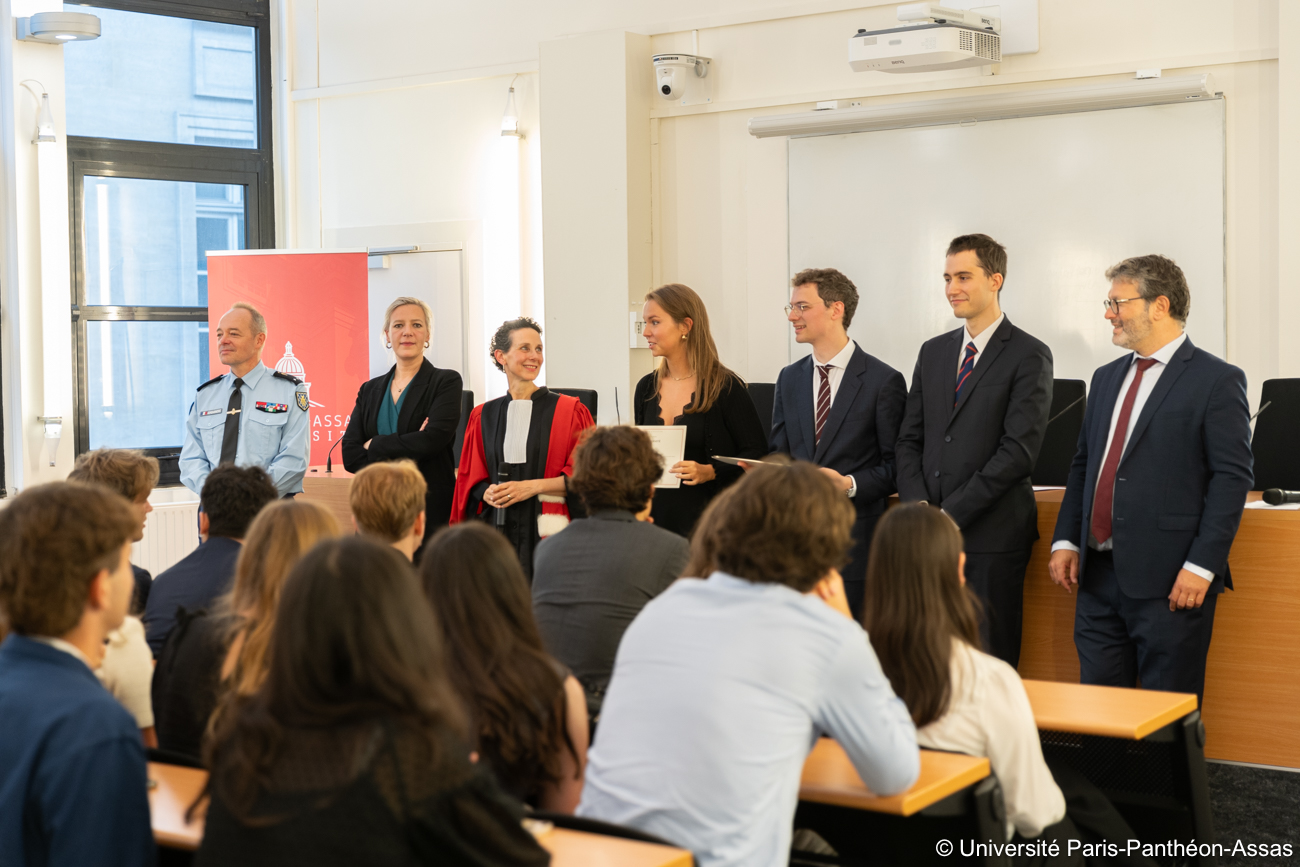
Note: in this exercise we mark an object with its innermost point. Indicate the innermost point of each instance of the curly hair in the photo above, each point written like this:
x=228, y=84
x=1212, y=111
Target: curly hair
x=831, y=286
x=504, y=335
x=615, y=468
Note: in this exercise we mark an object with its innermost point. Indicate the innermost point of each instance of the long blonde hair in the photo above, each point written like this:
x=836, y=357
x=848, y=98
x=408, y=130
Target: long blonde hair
x=278, y=537
x=711, y=377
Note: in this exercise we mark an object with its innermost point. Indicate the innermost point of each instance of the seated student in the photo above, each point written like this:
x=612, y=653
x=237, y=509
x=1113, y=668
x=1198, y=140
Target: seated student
x=72, y=766
x=590, y=581
x=722, y=685
x=226, y=643
x=924, y=625
x=387, y=502
x=232, y=496
x=132, y=474
x=128, y=662
x=528, y=719
x=352, y=750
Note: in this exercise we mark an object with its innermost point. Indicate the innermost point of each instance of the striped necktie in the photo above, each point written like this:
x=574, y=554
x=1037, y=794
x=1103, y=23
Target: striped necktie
x=967, y=367
x=823, y=399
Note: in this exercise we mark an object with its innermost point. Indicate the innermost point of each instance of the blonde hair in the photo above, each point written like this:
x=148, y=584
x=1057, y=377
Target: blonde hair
x=681, y=302
x=279, y=536
x=387, y=498
x=129, y=472
x=259, y=321
x=402, y=302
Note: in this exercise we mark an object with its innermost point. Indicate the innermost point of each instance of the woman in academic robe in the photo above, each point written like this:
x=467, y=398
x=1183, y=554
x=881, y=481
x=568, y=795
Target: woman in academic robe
x=518, y=452
x=412, y=411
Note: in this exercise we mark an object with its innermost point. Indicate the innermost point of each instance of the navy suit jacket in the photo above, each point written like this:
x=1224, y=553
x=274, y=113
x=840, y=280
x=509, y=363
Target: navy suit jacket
x=193, y=583
x=72, y=765
x=861, y=429
x=974, y=459
x=1183, y=477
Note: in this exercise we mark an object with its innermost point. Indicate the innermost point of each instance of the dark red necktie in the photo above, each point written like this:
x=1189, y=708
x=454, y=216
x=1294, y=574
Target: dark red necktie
x=823, y=400
x=1103, y=503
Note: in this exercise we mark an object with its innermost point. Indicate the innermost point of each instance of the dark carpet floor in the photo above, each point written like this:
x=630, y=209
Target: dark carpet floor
x=1255, y=806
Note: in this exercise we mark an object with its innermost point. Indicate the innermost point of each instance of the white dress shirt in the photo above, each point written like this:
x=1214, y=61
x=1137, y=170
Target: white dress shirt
x=989, y=715
x=1162, y=357
x=980, y=342
x=127, y=670
x=834, y=376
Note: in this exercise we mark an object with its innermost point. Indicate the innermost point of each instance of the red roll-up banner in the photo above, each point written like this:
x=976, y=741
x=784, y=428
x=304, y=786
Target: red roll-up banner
x=317, y=318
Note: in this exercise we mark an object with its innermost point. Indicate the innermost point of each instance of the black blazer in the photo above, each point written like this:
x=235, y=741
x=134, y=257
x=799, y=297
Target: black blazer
x=432, y=396
x=1183, y=477
x=975, y=459
x=861, y=429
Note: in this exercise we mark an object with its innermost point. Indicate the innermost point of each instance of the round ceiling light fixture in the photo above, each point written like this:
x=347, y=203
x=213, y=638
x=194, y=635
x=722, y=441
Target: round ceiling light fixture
x=58, y=27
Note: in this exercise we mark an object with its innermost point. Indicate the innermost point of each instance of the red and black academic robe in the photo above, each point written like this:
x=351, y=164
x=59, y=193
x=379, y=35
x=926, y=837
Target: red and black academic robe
x=557, y=421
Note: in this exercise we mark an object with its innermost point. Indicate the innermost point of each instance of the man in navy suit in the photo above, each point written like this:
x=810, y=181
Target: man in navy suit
x=975, y=420
x=1155, y=491
x=839, y=408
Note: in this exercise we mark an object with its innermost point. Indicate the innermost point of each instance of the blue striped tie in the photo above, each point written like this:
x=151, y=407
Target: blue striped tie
x=967, y=367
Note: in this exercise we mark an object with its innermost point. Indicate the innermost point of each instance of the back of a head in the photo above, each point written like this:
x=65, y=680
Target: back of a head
x=127, y=472
x=386, y=498
x=54, y=539
x=915, y=605
x=615, y=468
x=278, y=537
x=778, y=525
x=232, y=496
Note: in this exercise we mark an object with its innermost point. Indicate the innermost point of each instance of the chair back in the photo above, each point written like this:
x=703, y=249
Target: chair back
x=586, y=396
x=596, y=826
x=763, y=394
x=1061, y=441
x=466, y=407
x=1273, y=444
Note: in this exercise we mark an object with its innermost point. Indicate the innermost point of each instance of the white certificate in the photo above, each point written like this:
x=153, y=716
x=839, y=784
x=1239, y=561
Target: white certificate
x=670, y=441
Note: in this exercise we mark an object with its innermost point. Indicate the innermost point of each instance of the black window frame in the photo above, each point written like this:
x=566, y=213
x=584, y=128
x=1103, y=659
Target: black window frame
x=251, y=168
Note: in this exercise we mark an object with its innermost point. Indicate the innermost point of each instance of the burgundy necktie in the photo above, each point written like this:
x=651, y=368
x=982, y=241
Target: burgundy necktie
x=823, y=399
x=1103, y=503
x=967, y=367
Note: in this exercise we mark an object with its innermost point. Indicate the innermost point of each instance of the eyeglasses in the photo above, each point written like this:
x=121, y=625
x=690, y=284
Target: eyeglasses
x=1112, y=304
x=802, y=308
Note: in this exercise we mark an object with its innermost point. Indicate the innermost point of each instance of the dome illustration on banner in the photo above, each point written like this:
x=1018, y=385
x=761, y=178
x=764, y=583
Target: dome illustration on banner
x=291, y=366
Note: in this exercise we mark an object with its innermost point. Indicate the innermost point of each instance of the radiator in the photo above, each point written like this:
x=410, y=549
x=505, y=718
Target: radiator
x=170, y=532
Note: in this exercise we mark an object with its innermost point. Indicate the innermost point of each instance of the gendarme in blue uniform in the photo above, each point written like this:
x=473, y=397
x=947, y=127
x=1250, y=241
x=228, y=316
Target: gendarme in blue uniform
x=272, y=428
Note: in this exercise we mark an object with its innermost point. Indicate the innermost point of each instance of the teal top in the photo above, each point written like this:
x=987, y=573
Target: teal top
x=389, y=411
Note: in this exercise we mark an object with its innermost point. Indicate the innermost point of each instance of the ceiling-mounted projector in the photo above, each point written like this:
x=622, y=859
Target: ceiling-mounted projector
x=932, y=37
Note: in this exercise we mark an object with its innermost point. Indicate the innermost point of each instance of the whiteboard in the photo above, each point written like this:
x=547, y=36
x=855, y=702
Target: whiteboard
x=435, y=278
x=1068, y=195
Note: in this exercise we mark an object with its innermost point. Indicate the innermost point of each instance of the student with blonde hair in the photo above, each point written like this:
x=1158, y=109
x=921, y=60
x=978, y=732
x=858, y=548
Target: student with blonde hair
x=387, y=502
x=224, y=650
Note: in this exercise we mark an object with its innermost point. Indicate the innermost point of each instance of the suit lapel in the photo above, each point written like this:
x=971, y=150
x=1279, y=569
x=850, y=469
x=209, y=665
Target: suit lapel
x=982, y=364
x=945, y=379
x=414, y=394
x=1168, y=377
x=803, y=371
x=850, y=385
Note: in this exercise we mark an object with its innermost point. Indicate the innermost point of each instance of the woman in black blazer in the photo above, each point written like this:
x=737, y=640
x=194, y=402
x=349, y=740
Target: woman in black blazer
x=410, y=412
x=691, y=387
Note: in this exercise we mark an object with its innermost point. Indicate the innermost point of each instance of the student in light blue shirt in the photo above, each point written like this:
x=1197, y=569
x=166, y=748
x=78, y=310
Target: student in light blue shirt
x=722, y=686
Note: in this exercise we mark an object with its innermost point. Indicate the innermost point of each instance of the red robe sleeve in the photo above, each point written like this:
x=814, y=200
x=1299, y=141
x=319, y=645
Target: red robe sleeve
x=473, y=466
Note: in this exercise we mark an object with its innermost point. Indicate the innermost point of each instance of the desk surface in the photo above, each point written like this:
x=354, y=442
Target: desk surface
x=178, y=787
x=1105, y=710
x=829, y=778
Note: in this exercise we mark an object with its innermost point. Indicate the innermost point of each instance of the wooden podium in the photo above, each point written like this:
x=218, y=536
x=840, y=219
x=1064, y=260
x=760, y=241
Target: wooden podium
x=331, y=491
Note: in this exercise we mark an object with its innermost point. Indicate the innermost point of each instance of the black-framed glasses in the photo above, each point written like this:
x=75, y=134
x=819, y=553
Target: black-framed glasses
x=1112, y=304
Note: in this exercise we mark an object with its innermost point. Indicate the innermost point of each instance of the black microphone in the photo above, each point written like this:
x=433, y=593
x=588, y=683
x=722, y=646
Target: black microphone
x=329, y=456
x=1278, y=497
x=503, y=475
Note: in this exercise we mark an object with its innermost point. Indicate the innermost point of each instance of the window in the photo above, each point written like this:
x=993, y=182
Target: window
x=168, y=117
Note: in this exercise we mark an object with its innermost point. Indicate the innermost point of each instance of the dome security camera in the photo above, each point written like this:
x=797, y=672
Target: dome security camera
x=680, y=78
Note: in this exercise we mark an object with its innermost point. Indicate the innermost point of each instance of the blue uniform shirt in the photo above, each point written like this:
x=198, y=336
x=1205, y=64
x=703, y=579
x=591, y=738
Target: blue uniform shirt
x=272, y=429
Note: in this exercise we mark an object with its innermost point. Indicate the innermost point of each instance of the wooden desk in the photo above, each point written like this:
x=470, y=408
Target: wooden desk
x=1252, y=693
x=580, y=849
x=178, y=787
x=176, y=790
x=1107, y=711
x=829, y=778
x=331, y=491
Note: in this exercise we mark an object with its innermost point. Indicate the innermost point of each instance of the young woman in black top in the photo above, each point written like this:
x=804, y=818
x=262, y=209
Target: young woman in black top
x=691, y=387
x=353, y=751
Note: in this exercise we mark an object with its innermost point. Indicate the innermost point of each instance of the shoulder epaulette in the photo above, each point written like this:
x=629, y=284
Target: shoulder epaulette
x=209, y=382
x=295, y=380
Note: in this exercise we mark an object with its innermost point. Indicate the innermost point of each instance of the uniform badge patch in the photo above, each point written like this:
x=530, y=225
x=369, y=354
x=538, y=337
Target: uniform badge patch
x=301, y=399
x=264, y=406
x=212, y=412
